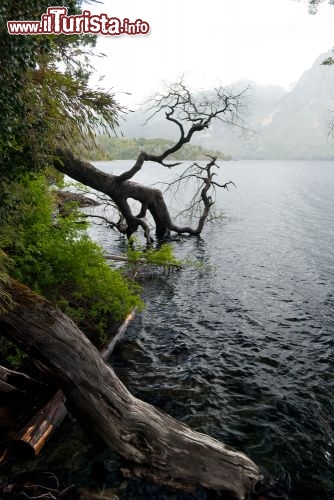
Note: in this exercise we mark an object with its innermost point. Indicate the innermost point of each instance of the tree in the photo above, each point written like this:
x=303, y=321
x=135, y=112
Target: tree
x=45, y=108
x=41, y=106
x=190, y=115
x=46, y=102
x=314, y=4
x=155, y=446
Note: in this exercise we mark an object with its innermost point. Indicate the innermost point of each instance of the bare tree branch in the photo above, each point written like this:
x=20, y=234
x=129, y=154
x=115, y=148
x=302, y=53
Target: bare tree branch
x=181, y=108
x=204, y=196
x=190, y=114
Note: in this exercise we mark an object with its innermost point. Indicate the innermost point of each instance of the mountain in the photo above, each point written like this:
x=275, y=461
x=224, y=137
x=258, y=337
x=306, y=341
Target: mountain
x=280, y=124
x=297, y=126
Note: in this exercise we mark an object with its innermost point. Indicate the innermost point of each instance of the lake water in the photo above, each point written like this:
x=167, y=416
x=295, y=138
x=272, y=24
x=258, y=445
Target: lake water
x=242, y=348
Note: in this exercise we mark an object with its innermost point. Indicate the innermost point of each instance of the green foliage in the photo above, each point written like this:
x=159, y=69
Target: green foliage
x=16, y=358
x=18, y=56
x=54, y=256
x=162, y=256
x=111, y=148
x=46, y=102
x=6, y=302
x=134, y=254
x=328, y=62
x=10, y=355
x=43, y=106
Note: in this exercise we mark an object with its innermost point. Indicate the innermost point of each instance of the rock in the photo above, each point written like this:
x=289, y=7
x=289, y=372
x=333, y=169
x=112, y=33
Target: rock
x=81, y=199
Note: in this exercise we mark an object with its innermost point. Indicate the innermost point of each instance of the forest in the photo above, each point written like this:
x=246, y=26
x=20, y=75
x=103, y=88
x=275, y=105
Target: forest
x=116, y=148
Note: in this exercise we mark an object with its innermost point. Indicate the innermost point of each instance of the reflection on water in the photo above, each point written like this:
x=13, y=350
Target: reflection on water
x=242, y=349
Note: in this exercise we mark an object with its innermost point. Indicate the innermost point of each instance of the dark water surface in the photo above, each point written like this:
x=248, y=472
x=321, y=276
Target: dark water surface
x=242, y=349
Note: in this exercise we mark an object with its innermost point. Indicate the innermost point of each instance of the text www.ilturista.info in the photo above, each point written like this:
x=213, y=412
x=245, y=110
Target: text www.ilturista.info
x=56, y=21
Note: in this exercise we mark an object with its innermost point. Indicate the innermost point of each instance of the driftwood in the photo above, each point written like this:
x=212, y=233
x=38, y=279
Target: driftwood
x=107, y=351
x=31, y=439
x=156, y=446
x=11, y=380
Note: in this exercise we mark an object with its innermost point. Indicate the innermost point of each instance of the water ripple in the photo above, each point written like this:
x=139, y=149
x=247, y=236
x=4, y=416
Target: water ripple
x=243, y=348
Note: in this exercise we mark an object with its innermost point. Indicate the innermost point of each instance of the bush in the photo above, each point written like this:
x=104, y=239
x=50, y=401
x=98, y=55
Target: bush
x=54, y=256
x=161, y=256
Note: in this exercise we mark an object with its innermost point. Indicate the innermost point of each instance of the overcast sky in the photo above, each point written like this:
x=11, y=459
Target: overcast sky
x=211, y=42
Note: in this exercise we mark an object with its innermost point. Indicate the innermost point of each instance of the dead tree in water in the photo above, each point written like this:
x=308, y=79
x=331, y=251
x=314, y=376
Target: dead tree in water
x=156, y=446
x=190, y=115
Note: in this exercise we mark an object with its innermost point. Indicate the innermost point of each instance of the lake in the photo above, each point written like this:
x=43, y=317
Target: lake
x=241, y=347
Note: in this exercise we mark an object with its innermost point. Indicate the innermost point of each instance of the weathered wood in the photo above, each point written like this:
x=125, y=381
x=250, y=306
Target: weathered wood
x=107, y=351
x=11, y=380
x=13, y=385
x=158, y=447
x=119, y=192
x=4, y=387
x=120, y=189
x=41, y=426
x=189, y=116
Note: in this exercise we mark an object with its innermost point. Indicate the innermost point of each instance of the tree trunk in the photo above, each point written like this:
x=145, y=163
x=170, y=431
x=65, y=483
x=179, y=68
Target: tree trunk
x=157, y=446
x=119, y=191
x=31, y=439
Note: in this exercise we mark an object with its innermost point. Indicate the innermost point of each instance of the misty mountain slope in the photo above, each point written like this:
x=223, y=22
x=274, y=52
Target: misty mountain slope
x=263, y=101
x=281, y=124
x=299, y=127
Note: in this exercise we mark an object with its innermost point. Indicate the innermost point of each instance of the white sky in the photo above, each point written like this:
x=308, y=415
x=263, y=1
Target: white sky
x=211, y=42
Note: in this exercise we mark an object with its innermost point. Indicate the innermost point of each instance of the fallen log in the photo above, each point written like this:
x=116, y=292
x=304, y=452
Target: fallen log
x=11, y=380
x=156, y=446
x=107, y=351
x=32, y=438
x=5, y=387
